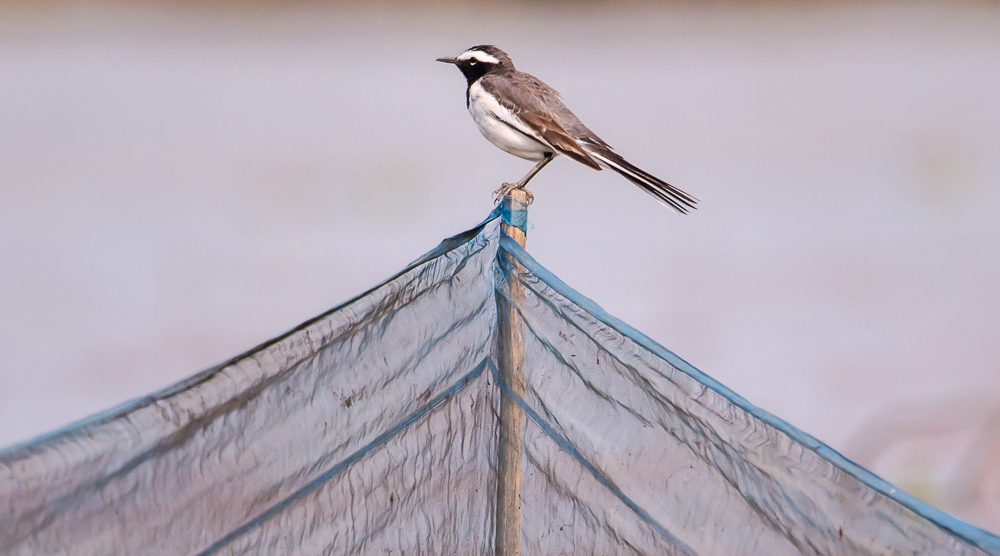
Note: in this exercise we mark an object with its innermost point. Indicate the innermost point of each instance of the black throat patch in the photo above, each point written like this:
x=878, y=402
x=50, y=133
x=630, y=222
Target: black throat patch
x=472, y=73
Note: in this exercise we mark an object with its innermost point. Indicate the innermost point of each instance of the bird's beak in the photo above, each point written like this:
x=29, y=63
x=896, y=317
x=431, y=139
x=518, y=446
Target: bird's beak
x=448, y=60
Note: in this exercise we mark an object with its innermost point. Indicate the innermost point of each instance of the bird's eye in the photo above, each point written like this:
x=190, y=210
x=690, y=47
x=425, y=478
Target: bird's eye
x=473, y=62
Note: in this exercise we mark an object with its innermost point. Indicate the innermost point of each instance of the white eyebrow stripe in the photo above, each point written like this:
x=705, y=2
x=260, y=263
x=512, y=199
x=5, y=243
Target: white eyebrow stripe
x=479, y=55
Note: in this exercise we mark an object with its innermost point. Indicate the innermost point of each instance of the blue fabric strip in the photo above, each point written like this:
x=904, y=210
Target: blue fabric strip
x=347, y=462
x=601, y=477
x=970, y=533
x=514, y=213
x=23, y=449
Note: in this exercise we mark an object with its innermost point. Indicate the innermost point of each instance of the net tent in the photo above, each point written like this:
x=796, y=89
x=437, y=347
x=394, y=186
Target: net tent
x=373, y=429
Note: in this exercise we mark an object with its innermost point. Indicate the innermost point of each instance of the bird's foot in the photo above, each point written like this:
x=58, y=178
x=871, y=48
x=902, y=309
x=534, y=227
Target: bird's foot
x=506, y=188
x=503, y=191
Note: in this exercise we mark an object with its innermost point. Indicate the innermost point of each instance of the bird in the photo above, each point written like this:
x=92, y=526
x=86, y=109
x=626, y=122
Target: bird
x=525, y=117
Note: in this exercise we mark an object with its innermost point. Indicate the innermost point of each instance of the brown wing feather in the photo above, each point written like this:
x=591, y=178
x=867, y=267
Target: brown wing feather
x=529, y=99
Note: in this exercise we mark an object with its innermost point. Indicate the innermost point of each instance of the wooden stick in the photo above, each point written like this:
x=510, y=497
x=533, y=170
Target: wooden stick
x=511, y=446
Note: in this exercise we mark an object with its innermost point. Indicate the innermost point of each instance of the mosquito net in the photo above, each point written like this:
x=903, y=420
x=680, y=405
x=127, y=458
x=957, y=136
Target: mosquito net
x=372, y=429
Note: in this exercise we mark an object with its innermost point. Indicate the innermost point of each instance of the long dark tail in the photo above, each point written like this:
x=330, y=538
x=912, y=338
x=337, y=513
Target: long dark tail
x=667, y=194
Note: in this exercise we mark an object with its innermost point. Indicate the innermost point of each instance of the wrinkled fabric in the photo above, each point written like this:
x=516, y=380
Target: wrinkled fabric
x=372, y=429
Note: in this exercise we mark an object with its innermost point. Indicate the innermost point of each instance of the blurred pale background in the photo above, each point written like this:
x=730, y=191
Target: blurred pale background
x=178, y=184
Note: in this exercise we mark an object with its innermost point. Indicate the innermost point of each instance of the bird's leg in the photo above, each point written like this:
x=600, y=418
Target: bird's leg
x=546, y=158
x=507, y=187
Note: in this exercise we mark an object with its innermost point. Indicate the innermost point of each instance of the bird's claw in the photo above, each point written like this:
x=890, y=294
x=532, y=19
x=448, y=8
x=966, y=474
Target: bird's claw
x=506, y=188
x=503, y=191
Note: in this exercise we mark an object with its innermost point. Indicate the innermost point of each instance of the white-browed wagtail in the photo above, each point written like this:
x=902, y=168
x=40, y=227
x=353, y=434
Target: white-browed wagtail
x=525, y=117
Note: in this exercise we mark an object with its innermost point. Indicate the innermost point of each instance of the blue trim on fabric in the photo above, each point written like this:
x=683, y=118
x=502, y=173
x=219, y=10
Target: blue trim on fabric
x=970, y=533
x=23, y=449
x=329, y=474
x=514, y=214
x=601, y=477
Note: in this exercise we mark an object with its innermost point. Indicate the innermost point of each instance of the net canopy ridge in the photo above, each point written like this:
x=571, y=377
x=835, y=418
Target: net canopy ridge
x=373, y=429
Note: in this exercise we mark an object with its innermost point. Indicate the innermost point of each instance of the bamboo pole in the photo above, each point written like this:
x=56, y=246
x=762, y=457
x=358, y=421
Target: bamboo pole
x=511, y=446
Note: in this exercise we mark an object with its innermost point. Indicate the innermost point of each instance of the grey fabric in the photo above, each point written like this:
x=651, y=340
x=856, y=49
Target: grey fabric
x=717, y=477
x=174, y=473
x=372, y=430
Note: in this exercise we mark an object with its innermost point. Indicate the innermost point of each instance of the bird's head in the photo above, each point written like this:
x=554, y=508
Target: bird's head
x=480, y=60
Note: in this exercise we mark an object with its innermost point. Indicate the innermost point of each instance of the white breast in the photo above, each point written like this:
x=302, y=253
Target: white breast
x=489, y=116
